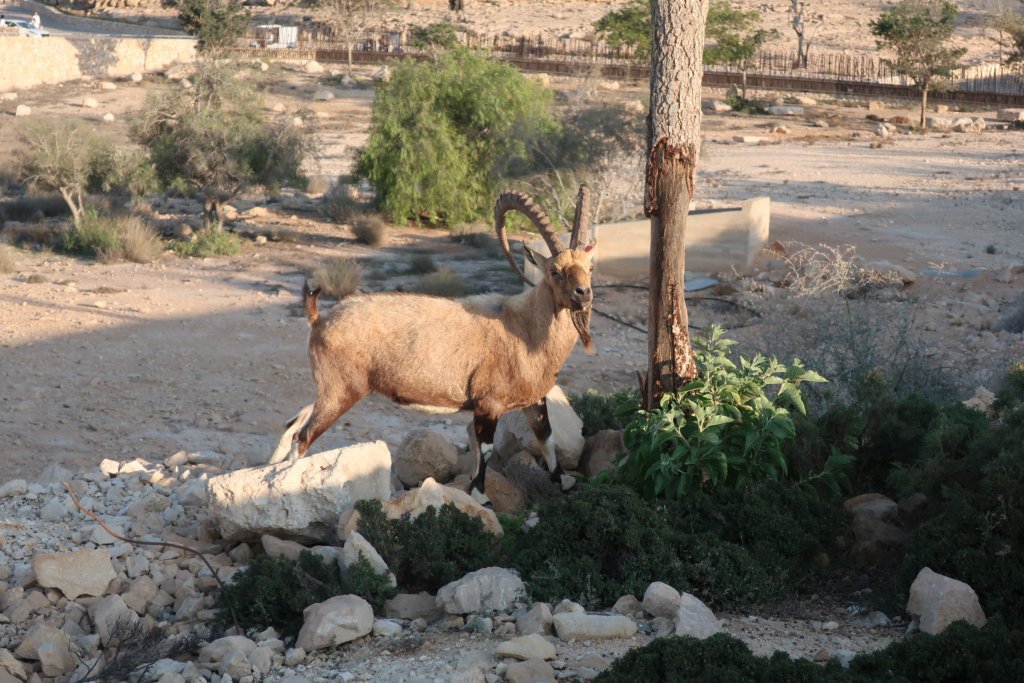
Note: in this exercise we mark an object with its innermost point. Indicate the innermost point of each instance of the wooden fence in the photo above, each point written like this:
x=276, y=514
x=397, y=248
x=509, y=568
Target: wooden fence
x=824, y=72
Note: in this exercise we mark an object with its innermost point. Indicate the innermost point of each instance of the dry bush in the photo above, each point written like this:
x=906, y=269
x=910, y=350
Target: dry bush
x=824, y=269
x=445, y=282
x=370, y=229
x=139, y=241
x=477, y=234
x=421, y=264
x=338, y=277
x=8, y=259
x=342, y=204
x=277, y=233
x=34, y=207
x=28, y=233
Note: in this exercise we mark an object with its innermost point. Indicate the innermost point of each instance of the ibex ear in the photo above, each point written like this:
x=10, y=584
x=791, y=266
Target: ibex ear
x=591, y=247
x=535, y=258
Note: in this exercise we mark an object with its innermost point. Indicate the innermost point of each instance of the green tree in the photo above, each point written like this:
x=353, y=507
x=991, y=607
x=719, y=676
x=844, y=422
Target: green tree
x=734, y=37
x=628, y=27
x=214, y=139
x=918, y=34
x=446, y=131
x=216, y=23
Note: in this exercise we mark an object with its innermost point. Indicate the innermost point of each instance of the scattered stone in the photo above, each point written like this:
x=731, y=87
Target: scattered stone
x=90, y=103
x=786, y=110
x=966, y=124
x=485, y=590
x=514, y=434
x=8, y=96
x=876, y=105
x=50, y=647
x=423, y=454
x=356, y=546
x=748, y=139
x=530, y=671
x=576, y=626
x=14, y=487
x=323, y=95
x=386, y=628
x=567, y=605
x=805, y=101
x=82, y=572
x=939, y=123
x=874, y=531
x=538, y=619
x=109, y=118
x=900, y=120
x=716, y=107
x=629, y=606
x=1010, y=115
x=178, y=72
x=110, y=614
x=313, y=67
x=937, y=601
x=300, y=497
x=695, y=619
x=532, y=646
x=661, y=600
x=136, y=77
x=505, y=496
x=413, y=606
x=430, y=494
x=941, y=108
x=600, y=451
x=334, y=621
x=23, y=110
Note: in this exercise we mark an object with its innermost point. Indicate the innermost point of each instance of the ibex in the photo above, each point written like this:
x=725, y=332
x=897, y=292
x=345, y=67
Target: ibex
x=489, y=354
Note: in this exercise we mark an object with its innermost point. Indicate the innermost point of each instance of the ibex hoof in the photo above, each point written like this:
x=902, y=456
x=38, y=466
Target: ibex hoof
x=481, y=497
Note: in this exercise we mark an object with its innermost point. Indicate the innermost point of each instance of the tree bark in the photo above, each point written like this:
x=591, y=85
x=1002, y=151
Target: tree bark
x=673, y=139
x=924, y=103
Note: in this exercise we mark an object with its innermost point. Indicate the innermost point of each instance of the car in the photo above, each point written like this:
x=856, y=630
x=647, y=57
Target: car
x=28, y=28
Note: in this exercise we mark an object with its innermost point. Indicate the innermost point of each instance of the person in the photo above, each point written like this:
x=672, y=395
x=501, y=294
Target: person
x=35, y=21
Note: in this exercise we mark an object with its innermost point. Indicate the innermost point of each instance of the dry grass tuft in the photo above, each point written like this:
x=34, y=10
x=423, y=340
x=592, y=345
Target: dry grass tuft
x=342, y=204
x=371, y=230
x=338, y=277
x=28, y=233
x=140, y=243
x=8, y=258
x=824, y=269
x=445, y=282
x=421, y=264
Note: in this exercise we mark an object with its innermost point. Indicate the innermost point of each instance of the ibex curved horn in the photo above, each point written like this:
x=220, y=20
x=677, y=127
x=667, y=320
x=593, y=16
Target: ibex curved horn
x=508, y=201
x=581, y=220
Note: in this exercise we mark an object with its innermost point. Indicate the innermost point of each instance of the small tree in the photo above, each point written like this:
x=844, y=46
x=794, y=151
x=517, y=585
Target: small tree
x=216, y=23
x=350, y=19
x=736, y=38
x=60, y=157
x=445, y=131
x=803, y=44
x=918, y=33
x=628, y=27
x=214, y=139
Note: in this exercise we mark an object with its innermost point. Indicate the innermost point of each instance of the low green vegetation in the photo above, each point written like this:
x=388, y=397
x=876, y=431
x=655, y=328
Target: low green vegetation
x=426, y=552
x=209, y=243
x=273, y=591
x=604, y=411
x=961, y=654
x=119, y=237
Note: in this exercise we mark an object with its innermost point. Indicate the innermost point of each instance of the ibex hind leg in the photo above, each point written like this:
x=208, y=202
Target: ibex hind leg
x=287, y=447
x=481, y=437
x=540, y=425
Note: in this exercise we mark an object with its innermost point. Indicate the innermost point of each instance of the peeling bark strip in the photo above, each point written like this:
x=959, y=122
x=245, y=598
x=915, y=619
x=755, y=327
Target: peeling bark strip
x=662, y=154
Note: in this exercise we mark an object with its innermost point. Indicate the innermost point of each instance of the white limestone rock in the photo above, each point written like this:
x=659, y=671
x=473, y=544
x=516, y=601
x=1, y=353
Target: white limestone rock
x=82, y=572
x=334, y=621
x=485, y=590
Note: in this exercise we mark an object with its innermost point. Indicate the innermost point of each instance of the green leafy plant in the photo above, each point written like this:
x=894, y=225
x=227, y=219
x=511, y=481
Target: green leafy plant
x=628, y=26
x=440, y=35
x=216, y=23
x=726, y=428
x=428, y=551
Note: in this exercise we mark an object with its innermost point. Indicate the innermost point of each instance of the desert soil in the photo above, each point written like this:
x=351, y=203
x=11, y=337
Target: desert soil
x=129, y=360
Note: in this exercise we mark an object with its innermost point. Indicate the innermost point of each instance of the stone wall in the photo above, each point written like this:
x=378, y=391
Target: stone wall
x=28, y=62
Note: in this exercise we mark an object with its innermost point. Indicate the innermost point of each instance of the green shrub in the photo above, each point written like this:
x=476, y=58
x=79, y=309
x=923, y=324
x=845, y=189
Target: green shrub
x=338, y=277
x=439, y=35
x=445, y=131
x=95, y=236
x=370, y=230
x=375, y=588
x=961, y=654
x=745, y=106
x=722, y=429
x=604, y=411
x=444, y=282
x=209, y=242
x=273, y=591
x=437, y=547
x=719, y=659
x=732, y=548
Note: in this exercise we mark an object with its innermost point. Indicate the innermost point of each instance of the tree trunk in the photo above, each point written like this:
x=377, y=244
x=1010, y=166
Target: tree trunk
x=924, y=103
x=673, y=137
x=349, y=50
x=744, y=82
x=211, y=213
x=74, y=206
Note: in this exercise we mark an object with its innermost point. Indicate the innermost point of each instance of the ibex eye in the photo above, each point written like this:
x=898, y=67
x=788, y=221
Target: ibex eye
x=555, y=274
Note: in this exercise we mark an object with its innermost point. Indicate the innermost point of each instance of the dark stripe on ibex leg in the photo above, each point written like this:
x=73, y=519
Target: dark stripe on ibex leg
x=482, y=437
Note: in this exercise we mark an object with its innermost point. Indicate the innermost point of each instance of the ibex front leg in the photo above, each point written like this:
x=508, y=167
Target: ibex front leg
x=540, y=425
